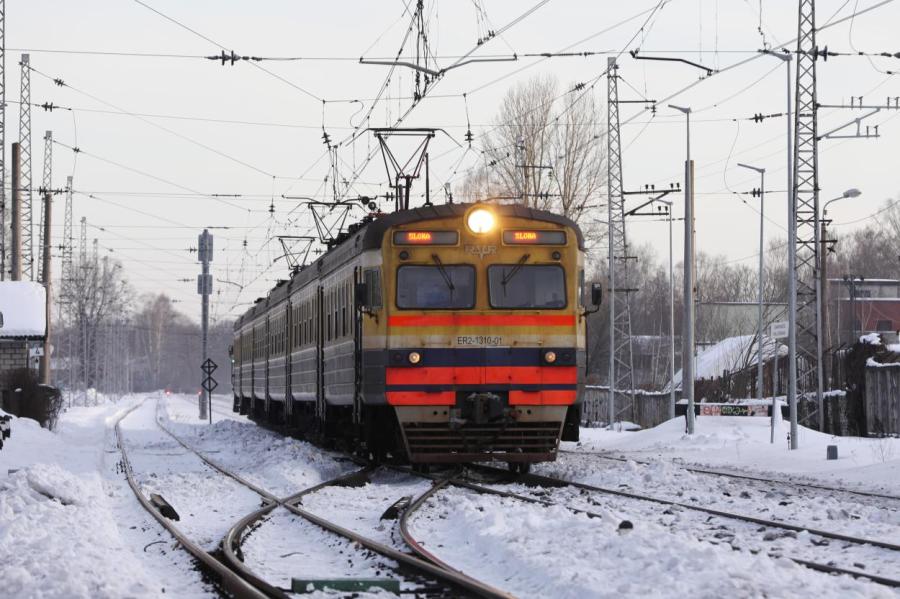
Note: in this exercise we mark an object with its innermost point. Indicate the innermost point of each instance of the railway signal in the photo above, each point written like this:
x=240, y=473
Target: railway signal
x=204, y=289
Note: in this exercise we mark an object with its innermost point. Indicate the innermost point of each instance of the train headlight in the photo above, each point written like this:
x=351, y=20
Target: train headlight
x=414, y=357
x=480, y=220
x=550, y=357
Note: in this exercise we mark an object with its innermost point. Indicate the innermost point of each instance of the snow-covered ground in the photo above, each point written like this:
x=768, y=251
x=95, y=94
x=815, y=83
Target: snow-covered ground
x=743, y=443
x=71, y=527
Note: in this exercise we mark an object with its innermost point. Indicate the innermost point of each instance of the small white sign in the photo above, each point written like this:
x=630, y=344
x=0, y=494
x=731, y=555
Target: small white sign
x=778, y=330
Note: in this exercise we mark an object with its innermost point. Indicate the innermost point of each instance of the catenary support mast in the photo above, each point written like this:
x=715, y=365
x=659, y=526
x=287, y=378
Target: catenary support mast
x=806, y=246
x=621, y=373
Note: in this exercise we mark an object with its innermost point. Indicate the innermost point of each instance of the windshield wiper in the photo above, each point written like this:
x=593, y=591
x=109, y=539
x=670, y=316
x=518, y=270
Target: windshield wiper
x=443, y=271
x=515, y=269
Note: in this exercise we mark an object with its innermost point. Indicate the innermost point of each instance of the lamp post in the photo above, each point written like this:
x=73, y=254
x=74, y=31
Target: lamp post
x=759, y=333
x=823, y=270
x=687, y=336
x=668, y=205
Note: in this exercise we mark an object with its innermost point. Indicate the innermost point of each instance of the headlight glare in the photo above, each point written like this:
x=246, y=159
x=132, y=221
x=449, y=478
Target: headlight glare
x=480, y=220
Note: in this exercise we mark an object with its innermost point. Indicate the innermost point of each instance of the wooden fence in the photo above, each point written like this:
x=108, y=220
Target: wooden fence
x=883, y=400
x=647, y=410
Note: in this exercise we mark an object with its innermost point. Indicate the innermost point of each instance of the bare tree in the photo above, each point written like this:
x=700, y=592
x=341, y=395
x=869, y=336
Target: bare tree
x=97, y=294
x=543, y=151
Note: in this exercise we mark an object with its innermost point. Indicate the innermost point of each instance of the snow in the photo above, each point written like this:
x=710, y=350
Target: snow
x=517, y=547
x=871, y=339
x=71, y=527
x=731, y=354
x=65, y=511
x=742, y=443
x=22, y=304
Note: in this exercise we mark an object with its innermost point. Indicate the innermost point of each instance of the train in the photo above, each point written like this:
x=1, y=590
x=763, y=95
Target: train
x=445, y=333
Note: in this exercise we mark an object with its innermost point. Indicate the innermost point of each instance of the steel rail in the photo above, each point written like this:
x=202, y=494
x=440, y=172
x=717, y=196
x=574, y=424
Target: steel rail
x=229, y=581
x=701, y=470
x=234, y=537
x=452, y=577
x=541, y=480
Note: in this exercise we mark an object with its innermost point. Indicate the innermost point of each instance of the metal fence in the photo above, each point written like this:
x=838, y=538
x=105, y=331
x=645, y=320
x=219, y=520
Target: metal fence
x=647, y=410
x=883, y=400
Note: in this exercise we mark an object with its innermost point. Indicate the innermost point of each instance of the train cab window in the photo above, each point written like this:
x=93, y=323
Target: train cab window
x=523, y=286
x=438, y=287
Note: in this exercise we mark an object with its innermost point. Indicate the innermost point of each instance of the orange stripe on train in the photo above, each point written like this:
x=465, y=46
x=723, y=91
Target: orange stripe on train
x=471, y=320
x=482, y=375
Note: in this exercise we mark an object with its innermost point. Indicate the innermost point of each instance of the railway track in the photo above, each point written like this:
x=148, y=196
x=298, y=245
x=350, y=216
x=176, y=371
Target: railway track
x=442, y=579
x=545, y=482
x=739, y=475
x=225, y=578
x=433, y=574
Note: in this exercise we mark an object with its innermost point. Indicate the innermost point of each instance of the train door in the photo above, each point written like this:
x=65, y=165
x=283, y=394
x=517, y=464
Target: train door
x=269, y=326
x=357, y=314
x=288, y=347
x=320, y=354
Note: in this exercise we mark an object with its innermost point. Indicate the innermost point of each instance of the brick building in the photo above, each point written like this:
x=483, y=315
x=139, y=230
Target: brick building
x=863, y=306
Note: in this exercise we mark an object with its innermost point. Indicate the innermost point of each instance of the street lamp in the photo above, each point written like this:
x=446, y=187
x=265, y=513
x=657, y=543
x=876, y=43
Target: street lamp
x=668, y=205
x=759, y=334
x=850, y=193
x=687, y=337
x=823, y=255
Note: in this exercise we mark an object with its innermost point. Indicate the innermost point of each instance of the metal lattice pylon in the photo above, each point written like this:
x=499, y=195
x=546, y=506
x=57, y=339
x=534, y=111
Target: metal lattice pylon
x=621, y=373
x=806, y=218
x=28, y=266
x=2, y=139
x=65, y=288
x=46, y=187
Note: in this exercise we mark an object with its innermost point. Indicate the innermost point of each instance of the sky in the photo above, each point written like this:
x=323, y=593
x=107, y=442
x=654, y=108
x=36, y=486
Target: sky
x=247, y=135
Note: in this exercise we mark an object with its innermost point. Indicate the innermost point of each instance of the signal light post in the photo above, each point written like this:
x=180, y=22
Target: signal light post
x=204, y=288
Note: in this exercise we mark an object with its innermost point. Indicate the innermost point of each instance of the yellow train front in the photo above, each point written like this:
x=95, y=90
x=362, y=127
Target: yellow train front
x=481, y=332
x=448, y=333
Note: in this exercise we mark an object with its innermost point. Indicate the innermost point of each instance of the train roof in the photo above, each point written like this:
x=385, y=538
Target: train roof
x=369, y=235
x=374, y=231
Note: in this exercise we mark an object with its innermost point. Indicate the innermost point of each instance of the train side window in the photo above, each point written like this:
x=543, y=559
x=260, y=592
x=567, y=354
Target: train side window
x=372, y=279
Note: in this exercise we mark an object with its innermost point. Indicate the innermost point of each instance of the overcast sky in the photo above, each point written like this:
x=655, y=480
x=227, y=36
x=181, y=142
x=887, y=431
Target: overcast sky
x=151, y=178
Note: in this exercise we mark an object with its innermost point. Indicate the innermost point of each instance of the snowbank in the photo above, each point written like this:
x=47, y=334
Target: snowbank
x=742, y=443
x=22, y=304
x=69, y=524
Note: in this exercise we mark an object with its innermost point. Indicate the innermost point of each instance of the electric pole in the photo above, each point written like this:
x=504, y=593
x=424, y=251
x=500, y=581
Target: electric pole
x=16, y=217
x=621, y=373
x=45, y=270
x=806, y=246
x=204, y=288
x=66, y=284
x=45, y=188
x=28, y=265
x=2, y=140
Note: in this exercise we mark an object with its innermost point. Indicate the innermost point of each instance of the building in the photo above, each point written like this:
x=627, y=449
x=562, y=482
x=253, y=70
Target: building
x=23, y=325
x=860, y=306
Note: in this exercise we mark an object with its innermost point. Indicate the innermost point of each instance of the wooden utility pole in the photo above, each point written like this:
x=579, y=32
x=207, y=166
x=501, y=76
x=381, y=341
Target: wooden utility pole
x=16, y=216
